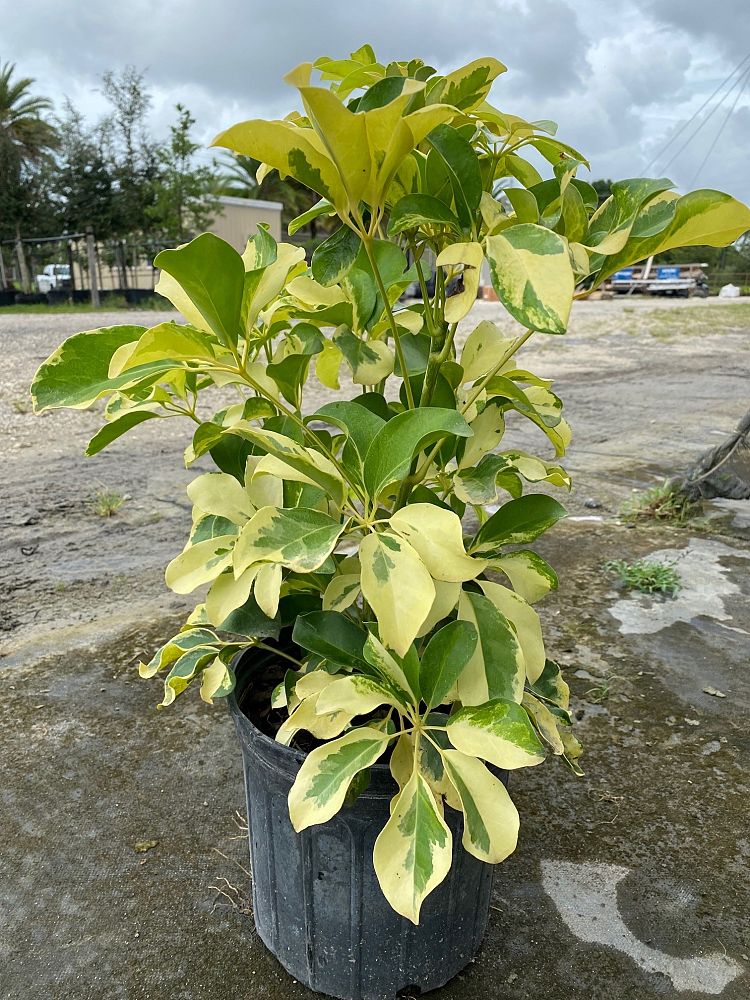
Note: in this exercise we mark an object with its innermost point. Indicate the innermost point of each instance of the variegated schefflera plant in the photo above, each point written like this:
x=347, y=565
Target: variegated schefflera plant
x=391, y=528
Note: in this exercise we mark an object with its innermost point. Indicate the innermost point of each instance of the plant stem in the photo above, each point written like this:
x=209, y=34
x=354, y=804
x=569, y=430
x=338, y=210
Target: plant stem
x=367, y=243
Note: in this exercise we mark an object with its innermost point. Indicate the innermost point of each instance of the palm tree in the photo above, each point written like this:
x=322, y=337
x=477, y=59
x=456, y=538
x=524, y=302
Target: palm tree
x=26, y=138
x=239, y=179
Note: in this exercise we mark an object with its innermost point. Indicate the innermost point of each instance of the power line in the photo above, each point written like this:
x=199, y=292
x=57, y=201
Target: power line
x=707, y=119
x=693, y=117
x=704, y=161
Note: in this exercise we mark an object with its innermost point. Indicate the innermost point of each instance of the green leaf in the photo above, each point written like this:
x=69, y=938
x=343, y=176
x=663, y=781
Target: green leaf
x=413, y=852
x=491, y=819
x=496, y=667
x=211, y=275
x=116, y=428
x=498, y=731
x=322, y=207
x=393, y=447
x=418, y=211
x=531, y=273
x=397, y=586
x=333, y=258
x=446, y=655
x=461, y=163
x=517, y=522
x=333, y=636
x=360, y=426
x=320, y=787
x=297, y=537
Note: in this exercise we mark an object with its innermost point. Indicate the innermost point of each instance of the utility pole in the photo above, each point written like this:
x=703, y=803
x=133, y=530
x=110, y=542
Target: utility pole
x=93, y=277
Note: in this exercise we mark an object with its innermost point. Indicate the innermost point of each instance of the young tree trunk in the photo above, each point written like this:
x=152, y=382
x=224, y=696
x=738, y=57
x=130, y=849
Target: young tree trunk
x=709, y=476
x=23, y=269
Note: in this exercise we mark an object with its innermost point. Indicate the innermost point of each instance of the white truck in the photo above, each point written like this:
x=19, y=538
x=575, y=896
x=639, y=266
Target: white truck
x=53, y=276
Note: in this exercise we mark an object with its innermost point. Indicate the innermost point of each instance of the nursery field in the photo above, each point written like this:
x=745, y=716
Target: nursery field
x=123, y=872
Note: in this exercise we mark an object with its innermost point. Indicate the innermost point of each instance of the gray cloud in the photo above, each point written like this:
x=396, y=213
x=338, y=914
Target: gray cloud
x=620, y=79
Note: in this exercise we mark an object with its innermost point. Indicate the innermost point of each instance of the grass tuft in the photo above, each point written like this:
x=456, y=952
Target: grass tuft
x=658, y=503
x=648, y=576
x=106, y=503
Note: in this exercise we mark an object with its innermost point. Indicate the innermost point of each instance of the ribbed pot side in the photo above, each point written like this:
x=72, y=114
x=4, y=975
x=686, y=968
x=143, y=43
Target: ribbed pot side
x=316, y=901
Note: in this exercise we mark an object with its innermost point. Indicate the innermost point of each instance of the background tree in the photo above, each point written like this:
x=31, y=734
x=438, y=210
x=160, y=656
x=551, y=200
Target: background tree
x=133, y=154
x=26, y=139
x=83, y=184
x=184, y=201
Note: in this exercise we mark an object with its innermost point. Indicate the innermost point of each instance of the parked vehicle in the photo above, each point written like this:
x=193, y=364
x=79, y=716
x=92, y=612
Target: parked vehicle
x=54, y=276
x=683, y=280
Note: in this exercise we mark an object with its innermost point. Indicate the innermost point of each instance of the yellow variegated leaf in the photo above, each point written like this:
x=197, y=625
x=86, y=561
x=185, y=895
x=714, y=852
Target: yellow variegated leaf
x=545, y=722
x=341, y=592
x=267, y=588
x=446, y=599
x=488, y=429
x=397, y=586
x=227, y=594
x=356, y=695
x=471, y=256
x=219, y=493
x=467, y=87
x=490, y=818
x=313, y=683
x=296, y=537
x=323, y=727
x=526, y=623
x=498, y=731
x=200, y=563
x=529, y=574
x=496, y=670
x=291, y=150
x=324, y=778
x=437, y=537
x=532, y=276
x=485, y=347
x=413, y=852
x=216, y=679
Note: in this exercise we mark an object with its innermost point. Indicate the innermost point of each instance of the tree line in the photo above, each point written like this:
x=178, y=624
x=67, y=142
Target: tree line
x=61, y=174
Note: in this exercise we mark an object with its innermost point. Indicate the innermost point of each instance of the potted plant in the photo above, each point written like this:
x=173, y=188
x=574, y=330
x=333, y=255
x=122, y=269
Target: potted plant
x=369, y=612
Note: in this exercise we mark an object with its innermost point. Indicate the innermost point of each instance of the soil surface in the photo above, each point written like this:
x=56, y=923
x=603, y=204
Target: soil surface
x=124, y=869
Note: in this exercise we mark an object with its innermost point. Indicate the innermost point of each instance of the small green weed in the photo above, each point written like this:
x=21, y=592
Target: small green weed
x=20, y=405
x=105, y=503
x=648, y=576
x=658, y=503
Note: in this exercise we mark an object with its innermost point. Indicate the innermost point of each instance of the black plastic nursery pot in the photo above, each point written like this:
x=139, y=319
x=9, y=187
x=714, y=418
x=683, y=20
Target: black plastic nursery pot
x=317, y=903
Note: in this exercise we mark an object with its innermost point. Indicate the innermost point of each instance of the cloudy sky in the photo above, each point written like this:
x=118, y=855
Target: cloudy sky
x=620, y=78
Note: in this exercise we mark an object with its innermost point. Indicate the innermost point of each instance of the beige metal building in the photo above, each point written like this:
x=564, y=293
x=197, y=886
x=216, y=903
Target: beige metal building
x=238, y=219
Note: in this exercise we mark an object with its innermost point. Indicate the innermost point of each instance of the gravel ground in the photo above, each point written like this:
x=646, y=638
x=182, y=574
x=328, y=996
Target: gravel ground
x=631, y=883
